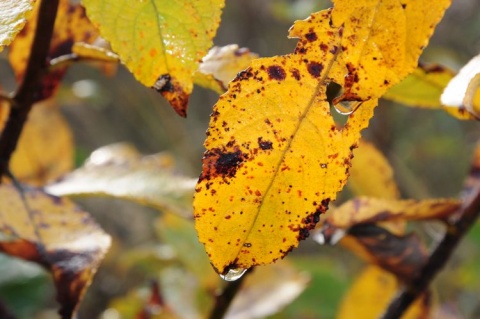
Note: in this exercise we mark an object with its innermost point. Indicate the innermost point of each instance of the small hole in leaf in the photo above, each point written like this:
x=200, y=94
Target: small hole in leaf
x=335, y=90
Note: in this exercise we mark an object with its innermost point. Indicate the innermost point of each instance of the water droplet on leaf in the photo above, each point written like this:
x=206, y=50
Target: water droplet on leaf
x=233, y=274
x=346, y=107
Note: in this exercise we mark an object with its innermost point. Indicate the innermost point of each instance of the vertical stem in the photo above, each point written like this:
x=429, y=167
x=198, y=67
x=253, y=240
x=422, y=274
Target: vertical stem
x=224, y=300
x=469, y=213
x=26, y=95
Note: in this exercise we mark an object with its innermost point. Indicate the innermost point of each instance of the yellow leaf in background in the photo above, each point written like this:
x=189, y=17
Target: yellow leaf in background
x=45, y=150
x=371, y=174
x=423, y=88
x=119, y=171
x=275, y=157
x=463, y=91
x=13, y=16
x=56, y=234
x=364, y=210
x=169, y=39
x=371, y=293
x=221, y=65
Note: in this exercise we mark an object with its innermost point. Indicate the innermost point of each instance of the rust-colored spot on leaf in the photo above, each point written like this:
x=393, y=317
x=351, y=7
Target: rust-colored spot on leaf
x=315, y=69
x=276, y=72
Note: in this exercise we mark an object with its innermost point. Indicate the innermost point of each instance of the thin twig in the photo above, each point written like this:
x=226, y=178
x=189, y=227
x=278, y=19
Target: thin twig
x=468, y=213
x=30, y=86
x=223, y=301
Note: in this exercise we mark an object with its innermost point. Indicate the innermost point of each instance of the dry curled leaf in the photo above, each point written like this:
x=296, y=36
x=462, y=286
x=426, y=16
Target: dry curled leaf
x=120, y=171
x=275, y=157
x=160, y=41
x=56, y=234
x=366, y=210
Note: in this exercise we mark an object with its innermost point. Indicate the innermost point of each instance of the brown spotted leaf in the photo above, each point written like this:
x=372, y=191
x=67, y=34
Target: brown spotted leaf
x=275, y=157
x=55, y=233
x=120, y=171
x=160, y=41
x=71, y=26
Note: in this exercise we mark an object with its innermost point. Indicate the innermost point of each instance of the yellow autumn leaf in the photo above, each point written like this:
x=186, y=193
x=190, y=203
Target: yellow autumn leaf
x=423, y=88
x=371, y=293
x=45, y=149
x=169, y=39
x=13, y=16
x=120, y=171
x=56, y=234
x=275, y=157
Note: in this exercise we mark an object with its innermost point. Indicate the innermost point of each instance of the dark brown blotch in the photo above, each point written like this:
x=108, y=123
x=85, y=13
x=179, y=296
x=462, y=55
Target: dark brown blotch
x=276, y=72
x=264, y=145
x=315, y=69
x=218, y=162
x=311, y=36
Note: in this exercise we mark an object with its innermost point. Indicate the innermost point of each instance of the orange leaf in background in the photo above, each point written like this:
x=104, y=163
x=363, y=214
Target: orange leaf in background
x=45, y=129
x=275, y=157
x=56, y=234
x=71, y=25
x=371, y=293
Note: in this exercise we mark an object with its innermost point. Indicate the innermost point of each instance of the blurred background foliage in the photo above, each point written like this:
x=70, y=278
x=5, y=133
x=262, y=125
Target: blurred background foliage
x=429, y=151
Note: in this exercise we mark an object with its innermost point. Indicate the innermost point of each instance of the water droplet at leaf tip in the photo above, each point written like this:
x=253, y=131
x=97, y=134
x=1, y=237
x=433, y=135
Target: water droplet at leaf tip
x=233, y=274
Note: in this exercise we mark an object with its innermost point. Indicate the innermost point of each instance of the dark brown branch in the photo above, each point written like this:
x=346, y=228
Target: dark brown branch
x=469, y=213
x=26, y=95
x=224, y=300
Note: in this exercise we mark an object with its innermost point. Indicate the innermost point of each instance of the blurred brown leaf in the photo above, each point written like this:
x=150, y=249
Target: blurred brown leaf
x=71, y=26
x=55, y=233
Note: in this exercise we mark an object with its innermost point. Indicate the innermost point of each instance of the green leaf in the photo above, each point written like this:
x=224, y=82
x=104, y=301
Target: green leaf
x=159, y=40
x=13, y=16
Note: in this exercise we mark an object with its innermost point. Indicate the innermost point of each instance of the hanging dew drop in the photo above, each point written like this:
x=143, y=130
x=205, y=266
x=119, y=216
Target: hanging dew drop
x=233, y=274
